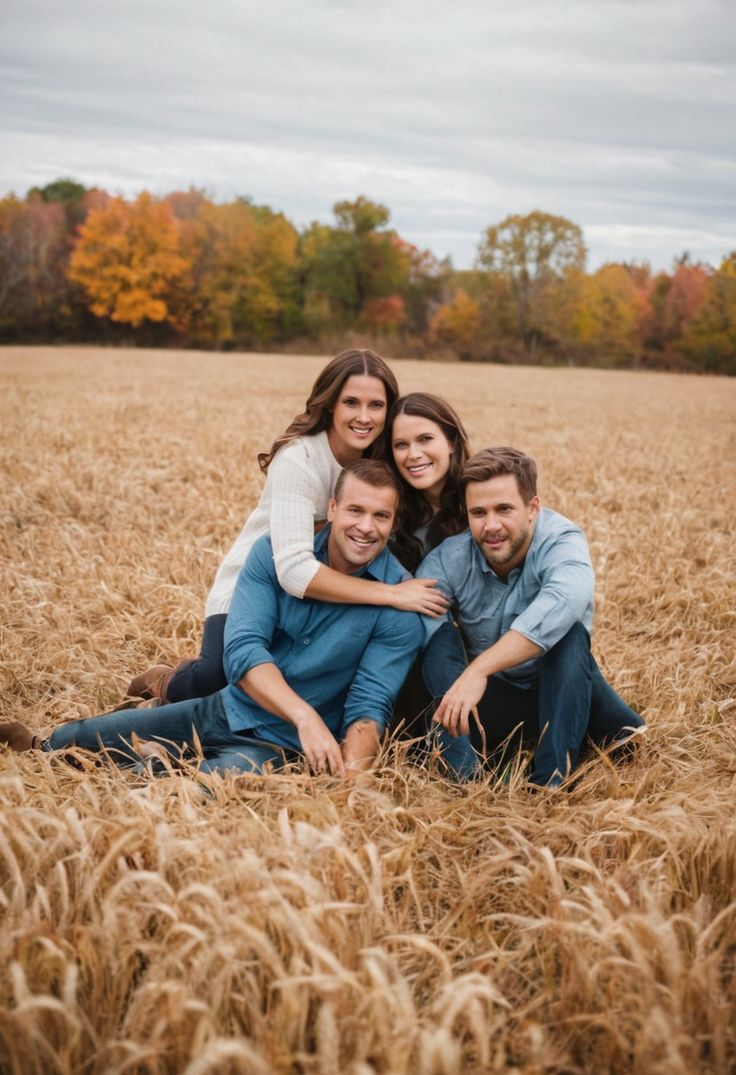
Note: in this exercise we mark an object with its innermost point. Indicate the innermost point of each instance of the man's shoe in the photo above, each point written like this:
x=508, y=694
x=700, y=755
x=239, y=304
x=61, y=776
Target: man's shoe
x=626, y=744
x=16, y=736
x=151, y=684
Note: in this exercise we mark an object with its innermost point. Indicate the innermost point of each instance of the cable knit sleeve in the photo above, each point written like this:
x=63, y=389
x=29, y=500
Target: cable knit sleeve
x=301, y=483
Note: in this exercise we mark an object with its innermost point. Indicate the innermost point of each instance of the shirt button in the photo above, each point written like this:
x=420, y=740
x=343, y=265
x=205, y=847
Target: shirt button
x=306, y=641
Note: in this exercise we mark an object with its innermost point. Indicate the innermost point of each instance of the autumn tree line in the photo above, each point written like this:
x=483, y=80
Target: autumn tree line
x=78, y=264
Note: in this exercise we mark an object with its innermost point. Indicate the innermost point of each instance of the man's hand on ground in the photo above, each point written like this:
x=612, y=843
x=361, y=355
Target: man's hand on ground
x=360, y=747
x=320, y=747
x=460, y=701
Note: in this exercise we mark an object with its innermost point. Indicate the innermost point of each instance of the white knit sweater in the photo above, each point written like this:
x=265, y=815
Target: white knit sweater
x=300, y=481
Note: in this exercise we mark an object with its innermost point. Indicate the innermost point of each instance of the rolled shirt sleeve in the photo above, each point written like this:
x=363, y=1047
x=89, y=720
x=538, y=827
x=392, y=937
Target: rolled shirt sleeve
x=566, y=593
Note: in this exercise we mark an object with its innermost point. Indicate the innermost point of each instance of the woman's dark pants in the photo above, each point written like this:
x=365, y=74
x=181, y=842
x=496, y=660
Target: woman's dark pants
x=204, y=675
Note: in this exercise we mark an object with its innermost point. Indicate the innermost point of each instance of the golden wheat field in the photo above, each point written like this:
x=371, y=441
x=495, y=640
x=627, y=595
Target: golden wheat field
x=289, y=924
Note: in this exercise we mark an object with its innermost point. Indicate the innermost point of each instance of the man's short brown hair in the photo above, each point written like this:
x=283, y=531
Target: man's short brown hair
x=490, y=462
x=371, y=471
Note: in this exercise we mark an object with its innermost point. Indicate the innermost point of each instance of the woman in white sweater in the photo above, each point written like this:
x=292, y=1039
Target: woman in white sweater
x=343, y=418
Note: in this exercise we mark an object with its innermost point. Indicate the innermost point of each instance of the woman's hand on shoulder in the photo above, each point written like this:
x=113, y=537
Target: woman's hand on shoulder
x=419, y=595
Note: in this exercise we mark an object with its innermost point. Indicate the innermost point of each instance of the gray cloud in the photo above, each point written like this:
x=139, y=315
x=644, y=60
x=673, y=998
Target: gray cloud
x=616, y=114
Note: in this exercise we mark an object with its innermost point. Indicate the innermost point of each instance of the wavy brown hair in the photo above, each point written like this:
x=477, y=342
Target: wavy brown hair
x=416, y=510
x=317, y=412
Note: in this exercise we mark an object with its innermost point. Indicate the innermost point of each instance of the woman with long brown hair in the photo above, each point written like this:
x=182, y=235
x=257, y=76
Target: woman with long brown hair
x=428, y=448
x=343, y=418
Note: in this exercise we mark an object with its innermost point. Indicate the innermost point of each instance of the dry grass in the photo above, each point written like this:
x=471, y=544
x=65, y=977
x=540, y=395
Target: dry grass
x=284, y=924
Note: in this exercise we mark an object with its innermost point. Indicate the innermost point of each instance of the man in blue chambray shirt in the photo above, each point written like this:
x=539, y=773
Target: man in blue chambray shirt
x=307, y=678
x=521, y=585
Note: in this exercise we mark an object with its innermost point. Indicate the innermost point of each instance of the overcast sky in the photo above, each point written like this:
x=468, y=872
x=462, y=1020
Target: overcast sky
x=619, y=114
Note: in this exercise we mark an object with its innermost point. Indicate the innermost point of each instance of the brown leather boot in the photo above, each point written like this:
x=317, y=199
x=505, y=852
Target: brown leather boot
x=151, y=684
x=16, y=736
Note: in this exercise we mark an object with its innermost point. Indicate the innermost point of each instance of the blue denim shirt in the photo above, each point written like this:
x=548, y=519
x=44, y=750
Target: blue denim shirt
x=347, y=661
x=541, y=599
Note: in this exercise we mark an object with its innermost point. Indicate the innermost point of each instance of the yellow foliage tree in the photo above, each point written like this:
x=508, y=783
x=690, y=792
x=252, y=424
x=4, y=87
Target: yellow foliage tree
x=532, y=252
x=127, y=258
x=241, y=289
x=458, y=324
x=612, y=313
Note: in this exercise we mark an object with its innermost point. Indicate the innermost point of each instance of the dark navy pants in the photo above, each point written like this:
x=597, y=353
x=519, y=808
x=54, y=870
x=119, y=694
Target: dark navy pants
x=204, y=675
x=569, y=700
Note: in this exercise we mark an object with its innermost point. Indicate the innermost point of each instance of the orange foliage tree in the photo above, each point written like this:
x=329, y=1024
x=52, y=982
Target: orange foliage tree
x=674, y=302
x=684, y=298
x=127, y=258
x=384, y=313
x=711, y=335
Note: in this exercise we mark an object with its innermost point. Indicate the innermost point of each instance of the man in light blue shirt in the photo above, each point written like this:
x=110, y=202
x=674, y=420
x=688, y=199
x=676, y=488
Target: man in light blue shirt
x=307, y=678
x=521, y=585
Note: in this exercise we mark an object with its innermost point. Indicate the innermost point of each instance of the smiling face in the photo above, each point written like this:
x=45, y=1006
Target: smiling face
x=422, y=454
x=362, y=519
x=501, y=522
x=358, y=417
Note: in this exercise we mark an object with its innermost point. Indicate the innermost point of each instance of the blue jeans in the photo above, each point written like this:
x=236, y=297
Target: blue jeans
x=174, y=726
x=569, y=700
